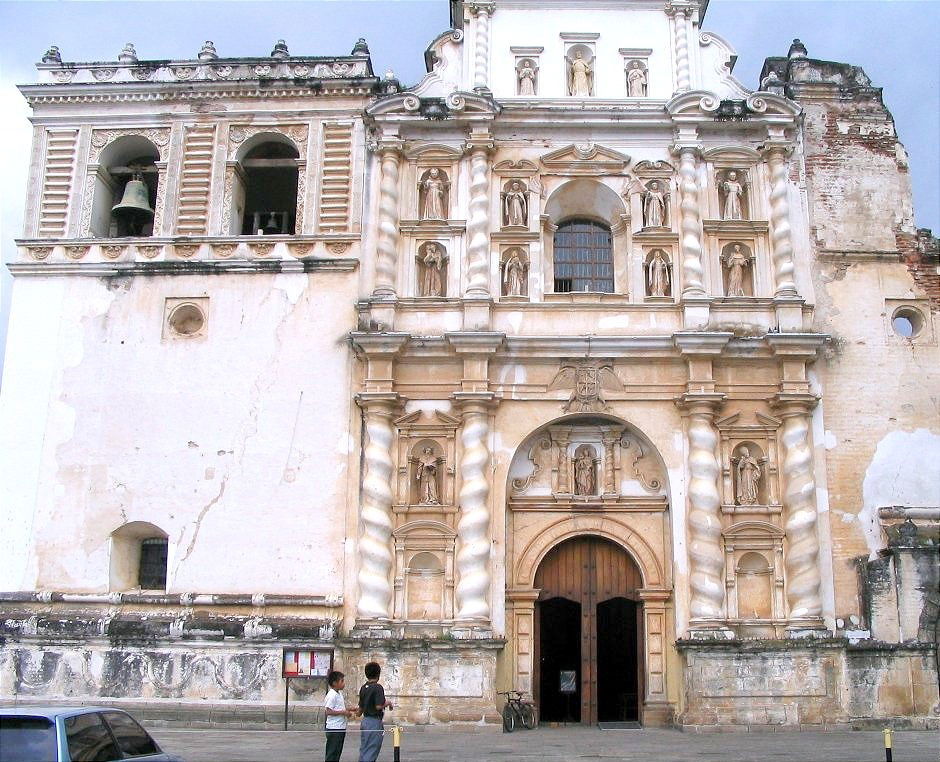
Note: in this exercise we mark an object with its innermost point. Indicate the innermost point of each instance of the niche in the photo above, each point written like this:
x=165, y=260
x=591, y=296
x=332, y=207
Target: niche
x=527, y=77
x=515, y=204
x=658, y=270
x=579, y=66
x=749, y=474
x=425, y=586
x=431, y=261
x=424, y=576
x=754, y=582
x=427, y=466
x=514, y=272
x=434, y=195
x=733, y=194
x=737, y=265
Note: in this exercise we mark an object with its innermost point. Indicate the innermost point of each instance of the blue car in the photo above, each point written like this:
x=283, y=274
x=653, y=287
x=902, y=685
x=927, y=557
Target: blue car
x=74, y=734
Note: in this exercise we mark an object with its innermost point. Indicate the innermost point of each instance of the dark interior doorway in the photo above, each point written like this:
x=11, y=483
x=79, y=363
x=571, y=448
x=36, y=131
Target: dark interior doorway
x=617, y=699
x=560, y=651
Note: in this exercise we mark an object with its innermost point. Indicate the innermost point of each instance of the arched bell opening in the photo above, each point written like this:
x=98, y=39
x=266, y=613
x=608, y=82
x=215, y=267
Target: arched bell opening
x=264, y=193
x=125, y=193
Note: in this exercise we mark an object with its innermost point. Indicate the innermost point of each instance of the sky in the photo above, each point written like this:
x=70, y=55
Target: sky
x=893, y=40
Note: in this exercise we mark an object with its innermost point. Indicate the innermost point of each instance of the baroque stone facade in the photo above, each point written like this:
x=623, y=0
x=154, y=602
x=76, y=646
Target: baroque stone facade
x=576, y=357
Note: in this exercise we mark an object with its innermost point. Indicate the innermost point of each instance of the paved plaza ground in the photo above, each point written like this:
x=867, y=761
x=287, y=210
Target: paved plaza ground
x=550, y=744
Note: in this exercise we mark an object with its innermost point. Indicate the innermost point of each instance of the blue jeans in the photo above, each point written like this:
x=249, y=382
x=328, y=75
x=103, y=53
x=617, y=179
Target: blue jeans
x=370, y=743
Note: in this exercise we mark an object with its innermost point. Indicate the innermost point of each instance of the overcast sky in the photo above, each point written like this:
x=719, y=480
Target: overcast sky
x=895, y=41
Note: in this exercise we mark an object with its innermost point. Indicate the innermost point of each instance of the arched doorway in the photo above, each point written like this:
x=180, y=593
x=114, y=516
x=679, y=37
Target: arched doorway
x=588, y=633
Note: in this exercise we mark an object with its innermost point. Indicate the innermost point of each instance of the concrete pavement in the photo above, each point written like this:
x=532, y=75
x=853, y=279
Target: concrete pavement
x=555, y=744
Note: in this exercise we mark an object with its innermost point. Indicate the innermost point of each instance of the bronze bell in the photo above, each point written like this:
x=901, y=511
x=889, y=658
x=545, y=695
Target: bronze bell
x=134, y=210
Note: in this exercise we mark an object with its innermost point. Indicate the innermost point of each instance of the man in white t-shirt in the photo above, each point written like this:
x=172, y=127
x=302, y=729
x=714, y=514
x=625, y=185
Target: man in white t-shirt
x=336, y=715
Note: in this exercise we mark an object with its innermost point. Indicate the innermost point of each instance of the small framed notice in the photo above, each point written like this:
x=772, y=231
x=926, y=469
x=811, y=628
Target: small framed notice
x=307, y=662
x=568, y=681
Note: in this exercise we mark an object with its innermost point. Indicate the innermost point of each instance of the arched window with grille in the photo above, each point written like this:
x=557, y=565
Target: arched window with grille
x=583, y=257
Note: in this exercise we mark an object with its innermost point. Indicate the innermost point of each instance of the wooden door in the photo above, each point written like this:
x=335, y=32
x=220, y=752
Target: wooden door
x=587, y=571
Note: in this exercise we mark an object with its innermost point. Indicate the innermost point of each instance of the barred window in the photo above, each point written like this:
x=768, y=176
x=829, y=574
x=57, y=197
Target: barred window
x=583, y=257
x=153, y=558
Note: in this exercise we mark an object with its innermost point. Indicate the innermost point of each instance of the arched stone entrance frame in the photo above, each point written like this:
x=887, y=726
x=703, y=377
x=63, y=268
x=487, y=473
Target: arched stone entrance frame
x=639, y=525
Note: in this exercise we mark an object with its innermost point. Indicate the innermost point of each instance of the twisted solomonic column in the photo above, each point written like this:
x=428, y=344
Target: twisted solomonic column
x=799, y=503
x=386, y=255
x=681, y=16
x=780, y=234
x=481, y=58
x=693, y=272
x=478, y=222
x=375, y=539
x=473, y=555
x=706, y=577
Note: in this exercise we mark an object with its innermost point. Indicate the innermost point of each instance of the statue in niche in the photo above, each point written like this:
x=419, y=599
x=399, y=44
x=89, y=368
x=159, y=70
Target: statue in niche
x=428, y=465
x=526, y=74
x=748, y=472
x=737, y=262
x=657, y=276
x=636, y=80
x=515, y=205
x=733, y=190
x=514, y=275
x=431, y=260
x=585, y=471
x=655, y=206
x=579, y=76
x=433, y=191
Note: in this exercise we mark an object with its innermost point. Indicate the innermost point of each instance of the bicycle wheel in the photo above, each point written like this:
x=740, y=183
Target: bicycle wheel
x=527, y=712
x=509, y=719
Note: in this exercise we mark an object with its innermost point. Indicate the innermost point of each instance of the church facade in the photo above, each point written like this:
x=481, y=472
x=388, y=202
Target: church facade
x=578, y=368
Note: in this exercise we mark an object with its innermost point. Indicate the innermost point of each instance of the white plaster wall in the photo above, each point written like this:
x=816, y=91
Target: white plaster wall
x=623, y=28
x=235, y=444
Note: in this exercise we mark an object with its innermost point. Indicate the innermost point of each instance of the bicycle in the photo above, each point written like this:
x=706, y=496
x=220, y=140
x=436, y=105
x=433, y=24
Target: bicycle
x=517, y=710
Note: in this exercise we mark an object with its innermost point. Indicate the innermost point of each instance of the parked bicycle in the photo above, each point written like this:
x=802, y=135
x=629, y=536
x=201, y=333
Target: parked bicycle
x=517, y=711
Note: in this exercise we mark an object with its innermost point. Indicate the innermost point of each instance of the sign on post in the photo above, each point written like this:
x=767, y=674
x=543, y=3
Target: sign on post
x=303, y=662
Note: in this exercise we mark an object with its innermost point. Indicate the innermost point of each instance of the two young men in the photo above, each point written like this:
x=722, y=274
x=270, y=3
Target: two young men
x=372, y=706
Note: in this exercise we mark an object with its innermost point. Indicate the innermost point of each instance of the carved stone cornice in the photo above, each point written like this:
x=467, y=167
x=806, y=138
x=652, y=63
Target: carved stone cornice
x=702, y=343
x=797, y=345
x=476, y=342
x=788, y=404
x=378, y=344
x=700, y=403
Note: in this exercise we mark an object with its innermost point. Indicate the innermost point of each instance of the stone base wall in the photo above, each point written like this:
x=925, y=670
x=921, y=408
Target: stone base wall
x=430, y=681
x=819, y=684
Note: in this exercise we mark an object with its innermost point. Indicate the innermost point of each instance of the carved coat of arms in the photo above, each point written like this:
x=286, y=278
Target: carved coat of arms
x=588, y=380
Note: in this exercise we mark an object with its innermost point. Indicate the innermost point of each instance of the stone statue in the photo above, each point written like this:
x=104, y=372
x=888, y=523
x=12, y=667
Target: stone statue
x=426, y=476
x=733, y=190
x=658, y=275
x=655, y=206
x=434, y=189
x=432, y=281
x=515, y=205
x=579, y=76
x=585, y=476
x=736, y=262
x=636, y=81
x=526, y=74
x=748, y=474
x=514, y=275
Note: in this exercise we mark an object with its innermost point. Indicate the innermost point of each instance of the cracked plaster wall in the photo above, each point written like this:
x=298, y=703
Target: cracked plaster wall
x=235, y=444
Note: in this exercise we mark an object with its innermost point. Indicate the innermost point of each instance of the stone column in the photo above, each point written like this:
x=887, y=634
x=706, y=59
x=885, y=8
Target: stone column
x=681, y=15
x=478, y=222
x=610, y=437
x=784, y=284
x=375, y=515
x=473, y=536
x=481, y=56
x=693, y=271
x=386, y=250
x=706, y=567
x=799, y=504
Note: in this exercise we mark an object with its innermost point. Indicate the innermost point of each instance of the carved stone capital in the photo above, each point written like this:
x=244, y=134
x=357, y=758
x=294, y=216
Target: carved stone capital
x=700, y=403
x=485, y=7
x=789, y=404
x=686, y=144
x=387, y=146
x=482, y=142
x=776, y=148
x=679, y=8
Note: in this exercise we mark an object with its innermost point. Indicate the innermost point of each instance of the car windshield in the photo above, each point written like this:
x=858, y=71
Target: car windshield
x=27, y=739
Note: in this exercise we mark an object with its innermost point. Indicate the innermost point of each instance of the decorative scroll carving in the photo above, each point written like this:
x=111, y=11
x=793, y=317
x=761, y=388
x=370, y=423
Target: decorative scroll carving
x=645, y=468
x=100, y=139
x=375, y=541
x=587, y=380
x=520, y=485
x=473, y=527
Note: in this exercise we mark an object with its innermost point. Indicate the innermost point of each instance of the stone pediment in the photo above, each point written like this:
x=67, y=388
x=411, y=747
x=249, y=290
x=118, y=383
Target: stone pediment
x=521, y=168
x=585, y=159
x=434, y=419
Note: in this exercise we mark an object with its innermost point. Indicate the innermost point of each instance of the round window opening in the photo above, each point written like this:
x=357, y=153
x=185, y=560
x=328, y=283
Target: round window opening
x=907, y=322
x=187, y=320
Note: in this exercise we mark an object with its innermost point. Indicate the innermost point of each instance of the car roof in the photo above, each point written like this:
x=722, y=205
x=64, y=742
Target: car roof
x=51, y=712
